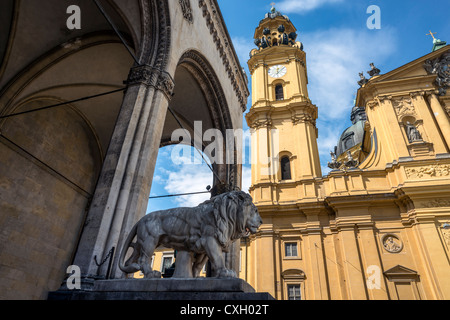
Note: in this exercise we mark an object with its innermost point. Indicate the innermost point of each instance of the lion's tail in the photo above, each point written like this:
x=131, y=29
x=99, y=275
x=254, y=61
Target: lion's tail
x=131, y=265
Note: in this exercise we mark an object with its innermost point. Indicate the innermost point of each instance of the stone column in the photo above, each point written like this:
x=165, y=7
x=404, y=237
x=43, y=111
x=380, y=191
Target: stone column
x=441, y=117
x=122, y=191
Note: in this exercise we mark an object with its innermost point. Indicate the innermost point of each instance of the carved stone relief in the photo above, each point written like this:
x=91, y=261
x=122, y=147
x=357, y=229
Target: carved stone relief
x=392, y=243
x=428, y=171
x=262, y=123
x=186, y=9
x=404, y=107
x=436, y=203
x=152, y=77
x=440, y=67
x=232, y=66
x=303, y=118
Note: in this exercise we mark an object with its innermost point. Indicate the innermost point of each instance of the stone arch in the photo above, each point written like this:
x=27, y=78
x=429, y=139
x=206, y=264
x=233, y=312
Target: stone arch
x=213, y=107
x=53, y=157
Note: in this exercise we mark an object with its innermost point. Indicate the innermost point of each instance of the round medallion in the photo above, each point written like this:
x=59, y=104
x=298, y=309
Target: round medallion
x=277, y=71
x=392, y=243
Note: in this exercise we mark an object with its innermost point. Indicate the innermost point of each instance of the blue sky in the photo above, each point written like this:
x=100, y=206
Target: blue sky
x=338, y=45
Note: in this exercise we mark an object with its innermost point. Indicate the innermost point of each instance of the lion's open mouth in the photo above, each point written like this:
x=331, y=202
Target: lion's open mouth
x=250, y=230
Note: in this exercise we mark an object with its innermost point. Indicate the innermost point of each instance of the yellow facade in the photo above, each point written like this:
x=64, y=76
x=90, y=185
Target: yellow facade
x=377, y=230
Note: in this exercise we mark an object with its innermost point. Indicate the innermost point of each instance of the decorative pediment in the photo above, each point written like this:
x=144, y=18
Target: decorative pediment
x=293, y=274
x=416, y=68
x=401, y=274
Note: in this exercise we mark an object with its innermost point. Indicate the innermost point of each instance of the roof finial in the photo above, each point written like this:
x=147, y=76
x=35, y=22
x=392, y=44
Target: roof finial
x=432, y=34
x=273, y=7
x=437, y=43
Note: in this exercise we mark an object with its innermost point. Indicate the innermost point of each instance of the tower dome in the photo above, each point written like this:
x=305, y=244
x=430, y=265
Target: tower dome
x=274, y=30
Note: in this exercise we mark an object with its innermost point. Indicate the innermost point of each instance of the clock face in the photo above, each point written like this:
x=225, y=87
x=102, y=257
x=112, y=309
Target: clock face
x=277, y=71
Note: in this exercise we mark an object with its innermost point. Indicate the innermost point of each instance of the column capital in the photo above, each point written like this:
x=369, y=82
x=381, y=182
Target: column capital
x=382, y=98
x=152, y=77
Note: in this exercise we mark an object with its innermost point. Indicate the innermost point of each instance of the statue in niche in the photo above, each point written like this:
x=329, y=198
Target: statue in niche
x=197, y=234
x=412, y=133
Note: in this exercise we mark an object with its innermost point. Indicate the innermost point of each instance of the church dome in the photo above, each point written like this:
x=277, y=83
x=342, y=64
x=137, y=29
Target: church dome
x=353, y=135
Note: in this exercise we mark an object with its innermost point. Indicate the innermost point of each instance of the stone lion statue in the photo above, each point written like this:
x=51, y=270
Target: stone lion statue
x=197, y=234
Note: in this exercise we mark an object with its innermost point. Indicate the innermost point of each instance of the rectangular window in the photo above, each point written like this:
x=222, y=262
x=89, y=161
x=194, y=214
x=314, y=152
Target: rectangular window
x=290, y=249
x=294, y=292
x=166, y=263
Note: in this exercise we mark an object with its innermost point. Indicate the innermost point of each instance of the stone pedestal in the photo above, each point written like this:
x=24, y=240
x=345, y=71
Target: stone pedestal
x=165, y=289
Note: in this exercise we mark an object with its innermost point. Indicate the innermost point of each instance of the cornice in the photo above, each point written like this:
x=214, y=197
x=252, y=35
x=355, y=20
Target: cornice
x=385, y=82
x=224, y=46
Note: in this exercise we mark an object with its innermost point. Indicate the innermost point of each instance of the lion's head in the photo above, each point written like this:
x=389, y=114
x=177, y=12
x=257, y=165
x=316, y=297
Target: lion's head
x=235, y=215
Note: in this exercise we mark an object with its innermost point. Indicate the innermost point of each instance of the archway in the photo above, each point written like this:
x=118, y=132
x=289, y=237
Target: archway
x=53, y=143
x=198, y=106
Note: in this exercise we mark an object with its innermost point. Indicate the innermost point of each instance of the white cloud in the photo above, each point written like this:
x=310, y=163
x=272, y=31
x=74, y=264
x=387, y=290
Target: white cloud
x=243, y=46
x=335, y=58
x=189, y=178
x=303, y=6
x=246, y=178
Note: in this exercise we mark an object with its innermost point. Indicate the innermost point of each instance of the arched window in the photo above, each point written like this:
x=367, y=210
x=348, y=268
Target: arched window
x=279, y=93
x=285, y=168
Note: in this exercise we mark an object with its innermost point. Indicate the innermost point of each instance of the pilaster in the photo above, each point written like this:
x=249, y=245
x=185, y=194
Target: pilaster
x=441, y=117
x=318, y=279
x=436, y=257
x=392, y=132
x=265, y=254
x=354, y=276
x=377, y=290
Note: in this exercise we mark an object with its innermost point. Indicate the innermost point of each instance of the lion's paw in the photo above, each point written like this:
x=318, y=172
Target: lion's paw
x=226, y=273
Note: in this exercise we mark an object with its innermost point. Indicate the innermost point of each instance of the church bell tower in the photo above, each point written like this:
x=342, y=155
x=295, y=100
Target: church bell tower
x=282, y=118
